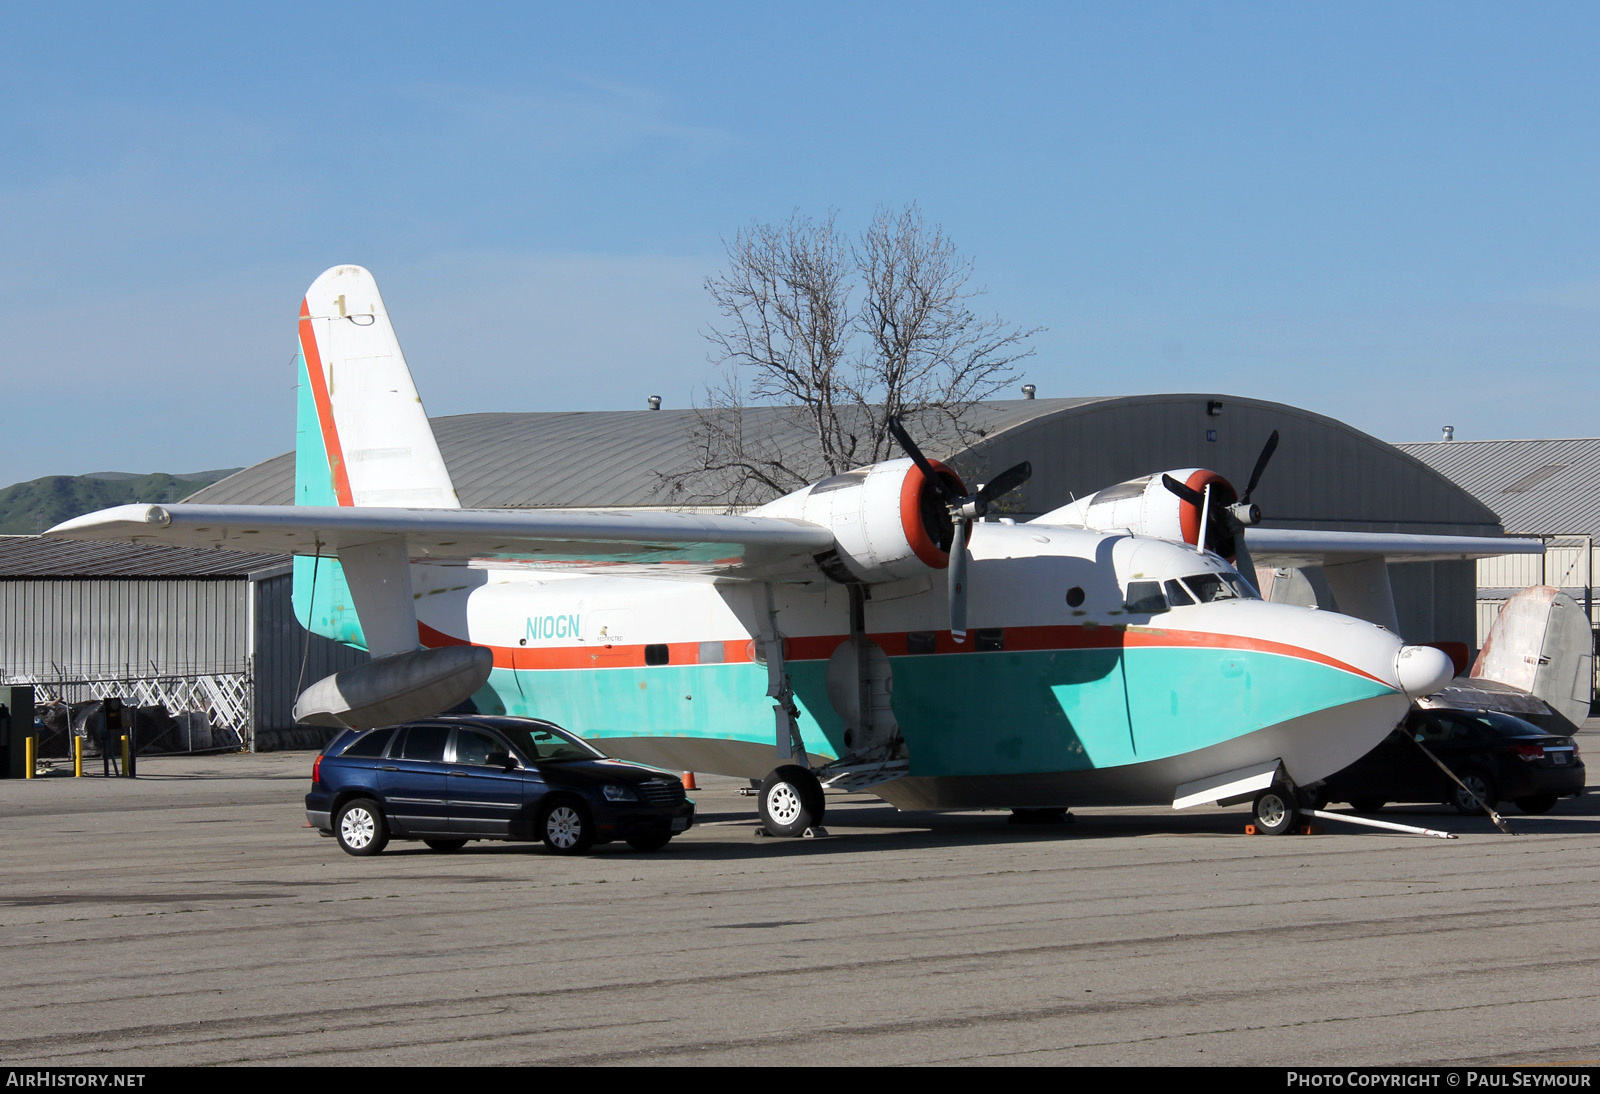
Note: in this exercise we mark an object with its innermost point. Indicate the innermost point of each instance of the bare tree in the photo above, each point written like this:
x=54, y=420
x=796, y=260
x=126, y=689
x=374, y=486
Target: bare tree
x=795, y=340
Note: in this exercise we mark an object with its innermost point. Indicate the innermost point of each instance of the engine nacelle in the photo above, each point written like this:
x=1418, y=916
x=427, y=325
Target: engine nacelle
x=889, y=521
x=1145, y=507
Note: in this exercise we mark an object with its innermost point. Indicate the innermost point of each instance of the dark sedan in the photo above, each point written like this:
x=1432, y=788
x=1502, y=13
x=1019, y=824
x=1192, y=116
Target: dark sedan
x=456, y=778
x=1497, y=756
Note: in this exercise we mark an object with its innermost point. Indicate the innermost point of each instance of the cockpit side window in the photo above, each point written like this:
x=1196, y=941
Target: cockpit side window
x=1241, y=588
x=1177, y=595
x=1145, y=598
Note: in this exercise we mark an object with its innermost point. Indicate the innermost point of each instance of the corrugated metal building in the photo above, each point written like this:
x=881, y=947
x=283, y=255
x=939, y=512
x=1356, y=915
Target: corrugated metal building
x=1324, y=475
x=188, y=629
x=1544, y=488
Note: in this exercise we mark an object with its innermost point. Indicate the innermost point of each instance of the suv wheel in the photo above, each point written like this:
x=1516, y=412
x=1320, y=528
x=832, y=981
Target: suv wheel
x=566, y=827
x=359, y=827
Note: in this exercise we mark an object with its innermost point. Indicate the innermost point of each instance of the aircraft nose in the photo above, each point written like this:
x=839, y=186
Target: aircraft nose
x=1422, y=670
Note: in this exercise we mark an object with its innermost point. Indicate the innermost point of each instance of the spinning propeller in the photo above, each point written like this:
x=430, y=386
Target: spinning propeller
x=962, y=510
x=1223, y=524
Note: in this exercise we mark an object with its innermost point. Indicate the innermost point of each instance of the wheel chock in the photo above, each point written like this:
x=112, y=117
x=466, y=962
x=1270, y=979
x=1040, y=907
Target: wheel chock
x=816, y=831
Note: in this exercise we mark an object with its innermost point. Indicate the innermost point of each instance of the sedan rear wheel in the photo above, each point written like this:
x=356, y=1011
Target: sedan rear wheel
x=1482, y=786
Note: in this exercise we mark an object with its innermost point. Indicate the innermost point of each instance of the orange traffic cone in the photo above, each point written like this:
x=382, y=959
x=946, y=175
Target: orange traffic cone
x=688, y=781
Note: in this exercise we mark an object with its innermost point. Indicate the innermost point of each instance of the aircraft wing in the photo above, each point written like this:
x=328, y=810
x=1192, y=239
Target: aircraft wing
x=1295, y=547
x=765, y=548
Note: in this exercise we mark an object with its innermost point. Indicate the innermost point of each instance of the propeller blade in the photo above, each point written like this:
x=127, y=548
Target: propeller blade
x=1183, y=490
x=958, y=583
x=1261, y=465
x=1005, y=482
x=911, y=449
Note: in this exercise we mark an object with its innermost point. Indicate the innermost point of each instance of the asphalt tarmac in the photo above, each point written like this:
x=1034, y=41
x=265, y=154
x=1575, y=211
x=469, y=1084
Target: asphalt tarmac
x=188, y=918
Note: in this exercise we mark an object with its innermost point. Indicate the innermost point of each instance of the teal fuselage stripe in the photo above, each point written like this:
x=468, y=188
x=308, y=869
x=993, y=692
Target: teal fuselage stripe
x=1002, y=713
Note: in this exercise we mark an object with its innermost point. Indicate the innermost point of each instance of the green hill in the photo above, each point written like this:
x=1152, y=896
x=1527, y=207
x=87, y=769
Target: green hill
x=28, y=508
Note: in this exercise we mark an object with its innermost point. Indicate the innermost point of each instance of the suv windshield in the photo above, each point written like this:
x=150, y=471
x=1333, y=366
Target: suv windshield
x=541, y=744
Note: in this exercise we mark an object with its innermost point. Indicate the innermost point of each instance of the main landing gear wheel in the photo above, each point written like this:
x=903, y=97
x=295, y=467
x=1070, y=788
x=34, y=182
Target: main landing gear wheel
x=790, y=800
x=1276, y=812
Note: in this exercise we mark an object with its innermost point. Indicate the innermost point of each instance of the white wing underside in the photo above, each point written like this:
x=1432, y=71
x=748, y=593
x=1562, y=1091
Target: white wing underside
x=1293, y=547
x=657, y=543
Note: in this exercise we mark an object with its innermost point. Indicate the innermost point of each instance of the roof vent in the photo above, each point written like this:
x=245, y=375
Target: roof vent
x=1449, y=432
x=655, y=402
x=1028, y=390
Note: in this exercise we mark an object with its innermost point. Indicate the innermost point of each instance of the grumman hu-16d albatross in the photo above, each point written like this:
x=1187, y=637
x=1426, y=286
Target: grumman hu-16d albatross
x=1106, y=652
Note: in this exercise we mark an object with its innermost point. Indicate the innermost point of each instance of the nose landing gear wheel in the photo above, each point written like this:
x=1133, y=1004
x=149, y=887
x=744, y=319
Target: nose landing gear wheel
x=1276, y=812
x=790, y=801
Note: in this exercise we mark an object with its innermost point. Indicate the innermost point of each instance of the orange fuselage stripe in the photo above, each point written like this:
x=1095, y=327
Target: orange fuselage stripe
x=821, y=647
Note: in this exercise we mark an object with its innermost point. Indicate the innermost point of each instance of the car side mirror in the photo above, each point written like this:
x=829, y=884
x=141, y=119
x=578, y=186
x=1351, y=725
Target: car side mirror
x=502, y=760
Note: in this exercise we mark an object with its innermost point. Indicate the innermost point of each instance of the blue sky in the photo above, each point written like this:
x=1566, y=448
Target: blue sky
x=1382, y=212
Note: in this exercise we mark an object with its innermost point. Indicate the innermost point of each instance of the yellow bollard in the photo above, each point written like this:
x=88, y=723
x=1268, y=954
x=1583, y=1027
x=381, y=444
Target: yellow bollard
x=77, y=757
x=27, y=756
x=124, y=753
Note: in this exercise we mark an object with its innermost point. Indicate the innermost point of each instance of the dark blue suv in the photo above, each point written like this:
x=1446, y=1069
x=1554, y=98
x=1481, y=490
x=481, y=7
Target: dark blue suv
x=455, y=778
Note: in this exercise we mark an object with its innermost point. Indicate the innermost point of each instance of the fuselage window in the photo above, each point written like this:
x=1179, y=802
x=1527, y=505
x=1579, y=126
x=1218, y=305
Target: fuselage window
x=1145, y=598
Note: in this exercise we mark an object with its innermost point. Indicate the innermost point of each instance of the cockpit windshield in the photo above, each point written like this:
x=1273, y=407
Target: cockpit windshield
x=1210, y=587
x=1154, y=597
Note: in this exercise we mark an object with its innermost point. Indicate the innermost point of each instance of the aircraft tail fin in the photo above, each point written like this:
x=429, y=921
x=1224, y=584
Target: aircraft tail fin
x=362, y=436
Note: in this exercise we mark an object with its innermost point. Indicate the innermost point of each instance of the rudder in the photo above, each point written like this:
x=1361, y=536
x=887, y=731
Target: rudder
x=362, y=435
